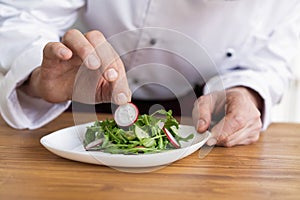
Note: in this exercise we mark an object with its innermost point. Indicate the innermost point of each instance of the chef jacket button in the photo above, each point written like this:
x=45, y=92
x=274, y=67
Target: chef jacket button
x=135, y=81
x=152, y=41
x=230, y=53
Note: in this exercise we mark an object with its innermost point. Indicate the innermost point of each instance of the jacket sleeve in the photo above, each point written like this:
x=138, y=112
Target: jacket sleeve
x=25, y=28
x=263, y=62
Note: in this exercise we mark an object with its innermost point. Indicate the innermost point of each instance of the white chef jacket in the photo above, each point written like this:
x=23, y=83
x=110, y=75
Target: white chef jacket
x=222, y=43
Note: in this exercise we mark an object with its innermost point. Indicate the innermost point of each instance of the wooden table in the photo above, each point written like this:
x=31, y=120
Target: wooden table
x=268, y=169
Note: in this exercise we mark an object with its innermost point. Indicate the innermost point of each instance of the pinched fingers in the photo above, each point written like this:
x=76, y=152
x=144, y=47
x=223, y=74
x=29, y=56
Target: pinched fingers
x=111, y=64
x=82, y=47
x=110, y=83
x=112, y=68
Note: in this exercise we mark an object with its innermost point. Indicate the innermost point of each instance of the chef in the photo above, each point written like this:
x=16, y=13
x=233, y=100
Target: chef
x=238, y=50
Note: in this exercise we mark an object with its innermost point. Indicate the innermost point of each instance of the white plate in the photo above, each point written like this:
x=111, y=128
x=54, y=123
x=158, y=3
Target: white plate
x=67, y=143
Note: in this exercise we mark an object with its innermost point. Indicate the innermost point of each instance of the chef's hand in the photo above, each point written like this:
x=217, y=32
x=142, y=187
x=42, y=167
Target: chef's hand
x=240, y=122
x=54, y=79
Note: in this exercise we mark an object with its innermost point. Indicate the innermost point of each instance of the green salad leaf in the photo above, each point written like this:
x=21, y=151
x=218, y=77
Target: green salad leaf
x=146, y=135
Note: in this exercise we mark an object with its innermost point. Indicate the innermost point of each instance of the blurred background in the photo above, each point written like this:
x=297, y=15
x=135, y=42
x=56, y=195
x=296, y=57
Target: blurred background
x=289, y=108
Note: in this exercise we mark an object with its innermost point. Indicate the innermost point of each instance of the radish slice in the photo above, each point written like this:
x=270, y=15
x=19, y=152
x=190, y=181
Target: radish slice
x=171, y=138
x=126, y=115
x=94, y=144
x=161, y=124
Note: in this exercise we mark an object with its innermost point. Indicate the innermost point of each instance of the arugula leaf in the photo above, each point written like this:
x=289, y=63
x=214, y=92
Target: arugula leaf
x=144, y=136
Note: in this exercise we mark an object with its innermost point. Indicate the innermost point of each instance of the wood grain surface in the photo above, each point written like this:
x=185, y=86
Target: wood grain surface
x=268, y=169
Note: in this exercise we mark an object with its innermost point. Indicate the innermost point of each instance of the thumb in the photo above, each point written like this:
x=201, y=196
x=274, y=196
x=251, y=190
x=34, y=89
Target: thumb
x=202, y=112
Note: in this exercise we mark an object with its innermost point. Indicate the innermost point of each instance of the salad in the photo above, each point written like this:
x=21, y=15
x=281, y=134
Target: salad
x=148, y=134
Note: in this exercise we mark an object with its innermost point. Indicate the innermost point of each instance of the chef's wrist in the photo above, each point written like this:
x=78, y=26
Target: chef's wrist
x=31, y=85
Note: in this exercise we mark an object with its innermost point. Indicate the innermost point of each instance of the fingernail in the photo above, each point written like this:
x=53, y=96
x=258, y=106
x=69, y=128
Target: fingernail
x=63, y=52
x=200, y=123
x=122, y=98
x=112, y=74
x=93, y=61
x=211, y=142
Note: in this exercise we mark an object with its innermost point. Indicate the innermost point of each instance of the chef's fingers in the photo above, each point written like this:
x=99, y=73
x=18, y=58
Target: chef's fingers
x=112, y=67
x=80, y=46
x=111, y=64
x=247, y=135
x=57, y=50
x=240, y=111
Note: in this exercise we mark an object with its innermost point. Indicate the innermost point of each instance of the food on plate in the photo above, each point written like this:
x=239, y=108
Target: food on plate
x=148, y=134
x=126, y=115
